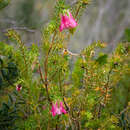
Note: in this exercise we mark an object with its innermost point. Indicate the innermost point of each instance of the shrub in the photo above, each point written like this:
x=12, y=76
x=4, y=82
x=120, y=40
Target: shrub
x=46, y=76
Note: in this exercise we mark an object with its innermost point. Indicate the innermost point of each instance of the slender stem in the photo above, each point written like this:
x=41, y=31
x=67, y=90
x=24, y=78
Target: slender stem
x=57, y=122
x=46, y=59
x=67, y=108
x=46, y=68
x=77, y=11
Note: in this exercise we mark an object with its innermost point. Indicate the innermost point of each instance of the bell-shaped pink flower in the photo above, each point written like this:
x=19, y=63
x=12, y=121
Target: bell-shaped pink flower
x=18, y=87
x=67, y=21
x=57, y=110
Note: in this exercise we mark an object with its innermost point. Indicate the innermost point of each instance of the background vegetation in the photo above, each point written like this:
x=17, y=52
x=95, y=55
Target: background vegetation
x=92, y=83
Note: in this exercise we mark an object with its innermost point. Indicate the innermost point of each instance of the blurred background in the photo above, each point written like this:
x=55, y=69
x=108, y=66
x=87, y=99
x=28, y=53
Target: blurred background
x=103, y=20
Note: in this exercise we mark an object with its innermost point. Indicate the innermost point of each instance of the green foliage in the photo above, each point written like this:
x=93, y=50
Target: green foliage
x=8, y=114
x=4, y=3
x=89, y=88
x=102, y=59
x=9, y=72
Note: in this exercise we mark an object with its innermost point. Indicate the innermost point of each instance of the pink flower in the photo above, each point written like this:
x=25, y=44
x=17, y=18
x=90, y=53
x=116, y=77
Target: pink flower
x=18, y=87
x=57, y=110
x=67, y=21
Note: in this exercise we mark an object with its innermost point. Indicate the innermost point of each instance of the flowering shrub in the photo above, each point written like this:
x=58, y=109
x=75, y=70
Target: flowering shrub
x=48, y=92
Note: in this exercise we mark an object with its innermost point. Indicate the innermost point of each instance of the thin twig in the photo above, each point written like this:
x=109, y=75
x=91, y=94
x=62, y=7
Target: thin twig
x=20, y=28
x=40, y=71
x=46, y=68
x=77, y=11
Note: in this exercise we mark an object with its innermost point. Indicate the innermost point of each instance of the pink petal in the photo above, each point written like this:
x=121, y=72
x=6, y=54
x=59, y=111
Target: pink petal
x=67, y=22
x=62, y=108
x=56, y=106
x=73, y=23
x=53, y=110
x=61, y=27
x=58, y=111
